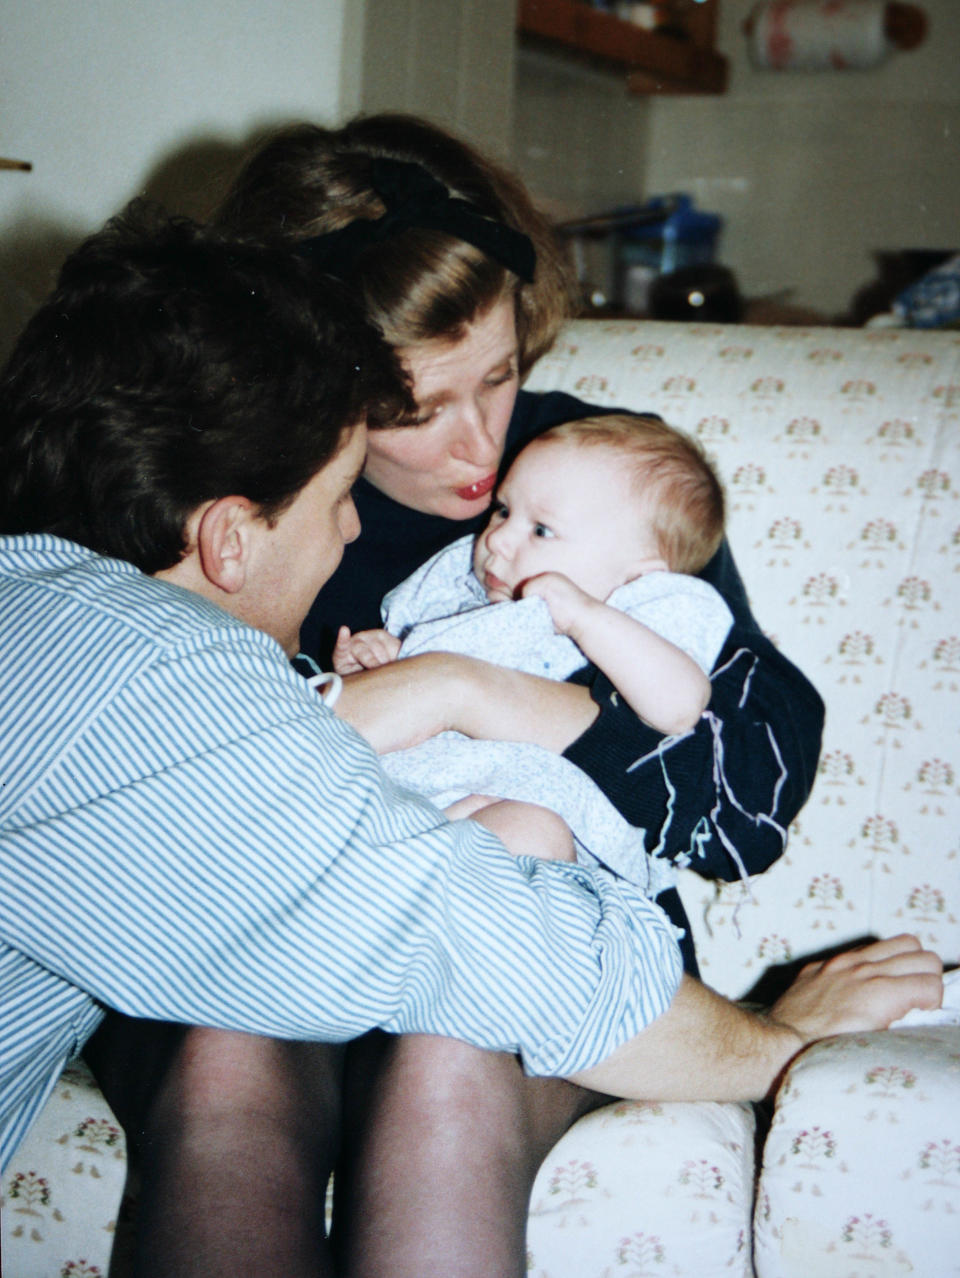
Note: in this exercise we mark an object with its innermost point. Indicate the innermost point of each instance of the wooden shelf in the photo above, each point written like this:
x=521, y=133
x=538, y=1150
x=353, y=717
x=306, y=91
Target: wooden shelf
x=654, y=62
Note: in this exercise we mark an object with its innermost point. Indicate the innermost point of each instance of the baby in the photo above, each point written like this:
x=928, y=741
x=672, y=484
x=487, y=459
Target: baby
x=586, y=558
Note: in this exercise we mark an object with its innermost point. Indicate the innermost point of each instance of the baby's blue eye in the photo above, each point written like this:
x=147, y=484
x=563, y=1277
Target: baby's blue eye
x=541, y=530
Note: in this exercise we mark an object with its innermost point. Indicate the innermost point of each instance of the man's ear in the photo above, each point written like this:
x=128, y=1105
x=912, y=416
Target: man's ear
x=224, y=537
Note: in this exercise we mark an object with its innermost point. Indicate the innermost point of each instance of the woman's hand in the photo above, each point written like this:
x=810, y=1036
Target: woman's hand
x=405, y=702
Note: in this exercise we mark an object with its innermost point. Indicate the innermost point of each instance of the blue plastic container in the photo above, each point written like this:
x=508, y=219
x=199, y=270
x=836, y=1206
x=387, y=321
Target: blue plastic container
x=686, y=237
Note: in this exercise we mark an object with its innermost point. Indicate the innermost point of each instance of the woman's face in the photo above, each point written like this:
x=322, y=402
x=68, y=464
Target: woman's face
x=447, y=463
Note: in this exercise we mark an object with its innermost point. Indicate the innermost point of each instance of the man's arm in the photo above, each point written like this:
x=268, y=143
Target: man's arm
x=707, y=1048
x=409, y=701
x=763, y=721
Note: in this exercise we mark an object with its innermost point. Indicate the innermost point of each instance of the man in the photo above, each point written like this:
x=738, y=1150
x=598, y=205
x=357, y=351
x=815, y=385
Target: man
x=188, y=834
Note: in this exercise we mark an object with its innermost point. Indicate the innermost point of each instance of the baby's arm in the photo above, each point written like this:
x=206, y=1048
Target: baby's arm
x=365, y=650
x=660, y=682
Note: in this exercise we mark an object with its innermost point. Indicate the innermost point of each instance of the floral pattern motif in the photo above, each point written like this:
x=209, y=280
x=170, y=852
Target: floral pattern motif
x=875, y=1181
x=840, y=451
x=60, y=1196
x=670, y=1193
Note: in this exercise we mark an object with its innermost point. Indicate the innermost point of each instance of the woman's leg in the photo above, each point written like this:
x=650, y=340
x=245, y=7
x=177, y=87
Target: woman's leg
x=236, y=1136
x=441, y=1167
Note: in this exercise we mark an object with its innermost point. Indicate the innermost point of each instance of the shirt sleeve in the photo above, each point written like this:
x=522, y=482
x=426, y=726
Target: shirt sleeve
x=224, y=851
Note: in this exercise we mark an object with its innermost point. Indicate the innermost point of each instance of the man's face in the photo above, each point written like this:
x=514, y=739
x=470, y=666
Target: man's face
x=304, y=547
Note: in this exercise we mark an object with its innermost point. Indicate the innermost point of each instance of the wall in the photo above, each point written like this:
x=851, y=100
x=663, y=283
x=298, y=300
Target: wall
x=814, y=171
x=109, y=98
x=579, y=137
x=451, y=60
x=580, y=145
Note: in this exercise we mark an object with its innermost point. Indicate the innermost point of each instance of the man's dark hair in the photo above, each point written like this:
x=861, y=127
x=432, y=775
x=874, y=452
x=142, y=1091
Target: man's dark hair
x=174, y=365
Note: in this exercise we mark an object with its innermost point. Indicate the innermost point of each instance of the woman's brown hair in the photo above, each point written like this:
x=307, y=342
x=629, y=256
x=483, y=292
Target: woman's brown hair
x=420, y=284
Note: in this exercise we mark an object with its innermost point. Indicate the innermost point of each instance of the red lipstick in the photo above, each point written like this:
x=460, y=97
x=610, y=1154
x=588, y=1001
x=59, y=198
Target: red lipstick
x=473, y=492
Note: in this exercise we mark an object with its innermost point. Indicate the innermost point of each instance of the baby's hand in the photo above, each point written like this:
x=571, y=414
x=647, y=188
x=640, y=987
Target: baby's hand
x=566, y=601
x=365, y=650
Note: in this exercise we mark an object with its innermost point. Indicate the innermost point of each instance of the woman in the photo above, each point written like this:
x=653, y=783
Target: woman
x=432, y=236
x=464, y=279
x=386, y=203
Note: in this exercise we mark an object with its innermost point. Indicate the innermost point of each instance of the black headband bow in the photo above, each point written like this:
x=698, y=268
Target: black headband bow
x=415, y=198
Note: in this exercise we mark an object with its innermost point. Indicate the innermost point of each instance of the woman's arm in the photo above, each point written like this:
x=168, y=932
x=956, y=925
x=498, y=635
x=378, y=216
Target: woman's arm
x=722, y=796
x=406, y=702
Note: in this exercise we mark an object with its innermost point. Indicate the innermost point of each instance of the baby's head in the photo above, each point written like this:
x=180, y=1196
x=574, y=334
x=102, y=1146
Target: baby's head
x=601, y=500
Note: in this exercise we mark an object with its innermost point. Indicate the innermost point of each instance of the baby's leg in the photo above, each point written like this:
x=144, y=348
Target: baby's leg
x=521, y=827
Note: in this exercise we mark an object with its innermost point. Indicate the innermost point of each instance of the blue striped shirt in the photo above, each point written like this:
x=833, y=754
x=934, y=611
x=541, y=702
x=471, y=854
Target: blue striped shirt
x=187, y=833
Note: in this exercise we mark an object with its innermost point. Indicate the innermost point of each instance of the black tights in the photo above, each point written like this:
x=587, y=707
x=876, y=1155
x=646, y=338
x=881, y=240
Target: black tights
x=236, y=1136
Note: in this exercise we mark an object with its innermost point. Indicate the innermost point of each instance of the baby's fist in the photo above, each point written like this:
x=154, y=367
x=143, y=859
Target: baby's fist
x=565, y=600
x=365, y=650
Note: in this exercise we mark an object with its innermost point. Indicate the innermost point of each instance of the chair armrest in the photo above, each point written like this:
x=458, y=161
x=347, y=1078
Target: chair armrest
x=861, y=1167
x=62, y=1189
x=647, y=1186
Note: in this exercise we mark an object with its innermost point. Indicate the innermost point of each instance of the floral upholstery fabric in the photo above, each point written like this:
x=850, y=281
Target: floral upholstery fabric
x=60, y=1196
x=840, y=451
x=852, y=1106
x=671, y=1193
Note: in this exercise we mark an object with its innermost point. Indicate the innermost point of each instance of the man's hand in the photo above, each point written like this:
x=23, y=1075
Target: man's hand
x=366, y=650
x=860, y=990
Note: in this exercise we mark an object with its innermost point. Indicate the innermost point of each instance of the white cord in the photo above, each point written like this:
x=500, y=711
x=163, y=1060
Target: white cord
x=332, y=682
